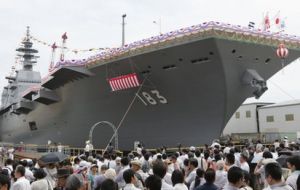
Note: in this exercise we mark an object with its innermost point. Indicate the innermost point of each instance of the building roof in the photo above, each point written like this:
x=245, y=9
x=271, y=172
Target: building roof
x=282, y=104
x=258, y=103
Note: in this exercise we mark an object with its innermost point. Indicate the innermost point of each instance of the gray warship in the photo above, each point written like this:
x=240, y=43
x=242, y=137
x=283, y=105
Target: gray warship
x=187, y=84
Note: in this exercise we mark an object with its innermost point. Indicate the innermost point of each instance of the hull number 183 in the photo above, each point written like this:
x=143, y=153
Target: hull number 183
x=152, y=98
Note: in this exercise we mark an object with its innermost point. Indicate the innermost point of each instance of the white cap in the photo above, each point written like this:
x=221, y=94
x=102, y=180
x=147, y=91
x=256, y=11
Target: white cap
x=110, y=174
x=83, y=165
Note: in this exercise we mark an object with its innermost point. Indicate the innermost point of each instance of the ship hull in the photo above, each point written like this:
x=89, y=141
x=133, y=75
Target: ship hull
x=188, y=93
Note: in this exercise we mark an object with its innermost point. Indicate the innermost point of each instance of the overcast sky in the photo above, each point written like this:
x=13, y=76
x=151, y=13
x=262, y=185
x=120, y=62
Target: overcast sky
x=97, y=23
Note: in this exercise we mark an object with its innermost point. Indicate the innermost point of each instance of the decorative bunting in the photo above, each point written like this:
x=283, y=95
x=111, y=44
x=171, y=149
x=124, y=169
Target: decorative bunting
x=68, y=49
x=224, y=30
x=282, y=52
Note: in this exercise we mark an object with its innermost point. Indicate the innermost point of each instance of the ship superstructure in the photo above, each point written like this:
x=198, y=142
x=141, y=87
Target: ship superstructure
x=22, y=79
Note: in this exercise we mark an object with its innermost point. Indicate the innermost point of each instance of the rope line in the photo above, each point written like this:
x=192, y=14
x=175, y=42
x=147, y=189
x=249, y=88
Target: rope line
x=124, y=116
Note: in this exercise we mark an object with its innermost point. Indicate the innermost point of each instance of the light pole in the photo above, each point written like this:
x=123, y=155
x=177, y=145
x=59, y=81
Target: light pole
x=123, y=29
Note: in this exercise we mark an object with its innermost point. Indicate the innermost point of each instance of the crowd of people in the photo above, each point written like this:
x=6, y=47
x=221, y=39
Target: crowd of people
x=210, y=168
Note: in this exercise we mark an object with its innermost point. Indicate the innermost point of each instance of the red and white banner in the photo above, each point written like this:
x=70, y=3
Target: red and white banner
x=124, y=82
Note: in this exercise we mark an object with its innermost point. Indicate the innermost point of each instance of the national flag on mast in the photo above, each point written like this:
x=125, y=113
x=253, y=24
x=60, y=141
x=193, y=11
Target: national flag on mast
x=124, y=82
x=266, y=22
x=277, y=19
x=279, y=22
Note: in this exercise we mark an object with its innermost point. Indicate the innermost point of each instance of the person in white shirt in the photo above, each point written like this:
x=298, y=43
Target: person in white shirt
x=244, y=164
x=178, y=180
x=221, y=175
x=88, y=148
x=247, y=178
x=228, y=148
x=11, y=151
x=22, y=183
x=199, y=180
x=118, y=165
x=160, y=170
x=273, y=176
x=130, y=180
x=170, y=169
x=230, y=161
x=276, y=144
x=41, y=182
x=51, y=172
x=125, y=166
x=8, y=166
x=175, y=164
x=139, y=149
x=257, y=156
x=192, y=167
x=274, y=153
x=167, y=178
x=286, y=142
x=59, y=147
x=182, y=157
x=215, y=143
x=136, y=166
x=293, y=164
x=201, y=161
x=260, y=170
x=153, y=182
x=76, y=164
x=112, y=163
x=28, y=172
x=235, y=179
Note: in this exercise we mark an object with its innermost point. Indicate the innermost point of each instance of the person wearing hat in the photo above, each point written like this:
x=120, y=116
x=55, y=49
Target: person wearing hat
x=62, y=175
x=83, y=171
x=136, y=166
x=83, y=167
x=93, y=173
x=41, y=182
x=99, y=179
x=192, y=149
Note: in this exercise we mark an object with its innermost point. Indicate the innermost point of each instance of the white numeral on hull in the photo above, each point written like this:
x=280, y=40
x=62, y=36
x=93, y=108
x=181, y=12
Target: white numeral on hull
x=152, y=99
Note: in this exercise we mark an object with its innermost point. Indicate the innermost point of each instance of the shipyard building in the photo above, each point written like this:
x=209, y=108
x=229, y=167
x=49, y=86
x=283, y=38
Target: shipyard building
x=265, y=121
